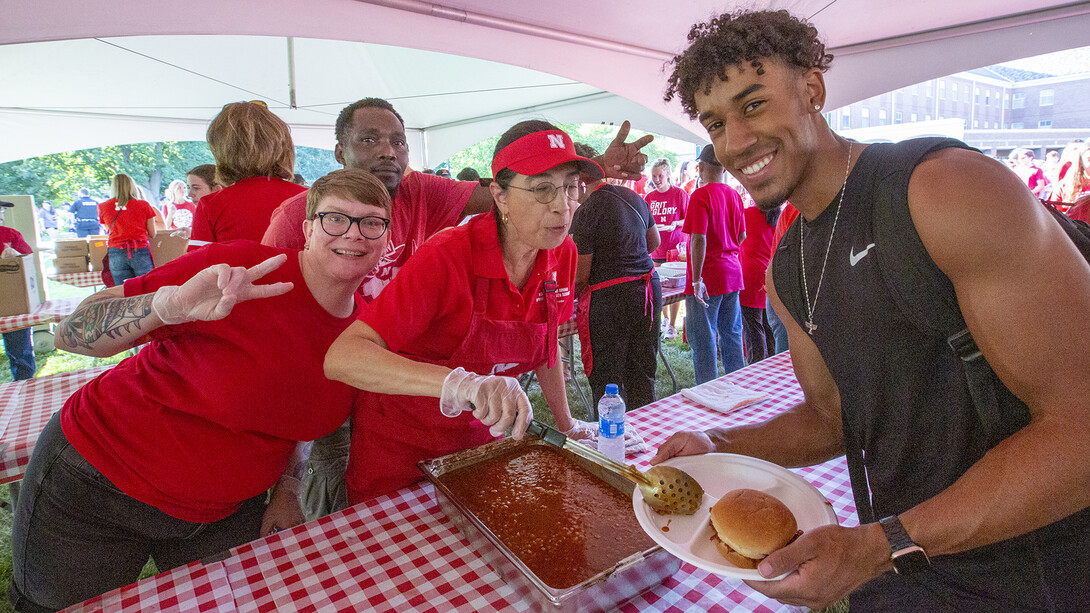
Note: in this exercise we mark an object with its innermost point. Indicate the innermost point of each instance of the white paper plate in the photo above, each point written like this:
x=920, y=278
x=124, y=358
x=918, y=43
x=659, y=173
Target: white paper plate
x=689, y=536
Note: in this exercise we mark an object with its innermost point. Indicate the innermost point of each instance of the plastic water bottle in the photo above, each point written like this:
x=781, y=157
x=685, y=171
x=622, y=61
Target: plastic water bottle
x=611, y=424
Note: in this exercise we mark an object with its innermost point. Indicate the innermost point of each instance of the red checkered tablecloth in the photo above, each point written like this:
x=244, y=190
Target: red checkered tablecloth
x=400, y=553
x=50, y=311
x=79, y=279
x=670, y=295
x=25, y=408
x=195, y=587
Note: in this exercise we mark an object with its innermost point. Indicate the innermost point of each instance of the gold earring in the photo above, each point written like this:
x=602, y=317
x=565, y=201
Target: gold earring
x=503, y=218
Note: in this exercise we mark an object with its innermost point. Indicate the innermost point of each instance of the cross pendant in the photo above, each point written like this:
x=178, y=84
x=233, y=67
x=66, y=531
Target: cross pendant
x=810, y=326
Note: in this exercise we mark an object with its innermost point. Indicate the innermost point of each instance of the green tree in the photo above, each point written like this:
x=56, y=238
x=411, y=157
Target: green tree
x=313, y=163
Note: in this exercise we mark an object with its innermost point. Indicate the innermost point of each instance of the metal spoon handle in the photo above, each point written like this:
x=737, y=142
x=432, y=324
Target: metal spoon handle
x=555, y=438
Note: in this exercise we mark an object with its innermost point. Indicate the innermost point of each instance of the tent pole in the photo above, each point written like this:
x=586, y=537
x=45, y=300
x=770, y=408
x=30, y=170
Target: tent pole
x=291, y=73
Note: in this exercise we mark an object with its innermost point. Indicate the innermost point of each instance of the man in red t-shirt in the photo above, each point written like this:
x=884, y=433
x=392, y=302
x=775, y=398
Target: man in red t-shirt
x=371, y=136
x=18, y=344
x=668, y=204
x=713, y=315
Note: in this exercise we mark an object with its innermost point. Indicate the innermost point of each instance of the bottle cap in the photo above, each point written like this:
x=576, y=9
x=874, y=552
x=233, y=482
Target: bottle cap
x=611, y=388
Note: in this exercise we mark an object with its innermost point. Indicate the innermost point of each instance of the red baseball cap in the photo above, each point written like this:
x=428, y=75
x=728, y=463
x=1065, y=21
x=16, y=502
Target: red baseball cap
x=535, y=153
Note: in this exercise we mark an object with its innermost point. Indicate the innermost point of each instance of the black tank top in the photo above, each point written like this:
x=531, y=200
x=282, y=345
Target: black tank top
x=906, y=403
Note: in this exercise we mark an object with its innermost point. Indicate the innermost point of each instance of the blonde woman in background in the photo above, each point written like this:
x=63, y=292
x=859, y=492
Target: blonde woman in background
x=178, y=210
x=130, y=223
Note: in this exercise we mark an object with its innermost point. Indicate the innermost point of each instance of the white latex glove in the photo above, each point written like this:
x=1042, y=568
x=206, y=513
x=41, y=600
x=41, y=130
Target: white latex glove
x=9, y=252
x=700, y=292
x=498, y=402
x=212, y=293
x=583, y=431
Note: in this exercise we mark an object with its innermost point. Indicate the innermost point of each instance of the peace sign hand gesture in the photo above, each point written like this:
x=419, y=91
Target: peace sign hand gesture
x=212, y=293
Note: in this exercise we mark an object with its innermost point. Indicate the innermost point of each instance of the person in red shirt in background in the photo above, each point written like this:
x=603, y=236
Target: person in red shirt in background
x=1022, y=164
x=18, y=344
x=172, y=452
x=255, y=162
x=178, y=211
x=779, y=332
x=668, y=205
x=687, y=177
x=476, y=306
x=713, y=317
x=130, y=225
x=755, y=255
x=201, y=181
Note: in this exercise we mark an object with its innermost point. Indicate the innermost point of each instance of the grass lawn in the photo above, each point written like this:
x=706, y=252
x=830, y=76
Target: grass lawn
x=676, y=352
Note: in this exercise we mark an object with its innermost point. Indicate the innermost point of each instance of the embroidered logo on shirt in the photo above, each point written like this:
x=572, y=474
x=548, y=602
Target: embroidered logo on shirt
x=853, y=257
x=498, y=368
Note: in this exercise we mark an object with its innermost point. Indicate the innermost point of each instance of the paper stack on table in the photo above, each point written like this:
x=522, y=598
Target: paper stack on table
x=722, y=396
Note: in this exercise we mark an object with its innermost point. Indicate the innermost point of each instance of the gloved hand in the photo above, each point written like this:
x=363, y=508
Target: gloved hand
x=9, y=252
x=583, y=431
x=212, y=293
x=700, y=292
x=498, y=402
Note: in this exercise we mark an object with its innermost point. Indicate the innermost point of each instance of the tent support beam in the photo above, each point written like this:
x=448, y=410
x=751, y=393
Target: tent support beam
x=291, y=73
x=432, y=9
x=522, y=111
x=1075, y=9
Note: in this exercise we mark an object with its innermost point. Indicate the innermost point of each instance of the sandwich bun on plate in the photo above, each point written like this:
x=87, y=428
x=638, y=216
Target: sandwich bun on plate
x=749, y=525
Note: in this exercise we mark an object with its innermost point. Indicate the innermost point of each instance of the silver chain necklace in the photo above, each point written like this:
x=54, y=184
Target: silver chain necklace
x=809, y=323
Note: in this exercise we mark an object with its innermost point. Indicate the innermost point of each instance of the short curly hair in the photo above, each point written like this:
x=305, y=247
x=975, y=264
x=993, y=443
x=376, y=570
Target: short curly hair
x=742, y=36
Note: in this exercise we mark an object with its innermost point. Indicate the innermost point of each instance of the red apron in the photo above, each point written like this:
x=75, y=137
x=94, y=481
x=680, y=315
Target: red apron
x=582, y=313
x=394, y=432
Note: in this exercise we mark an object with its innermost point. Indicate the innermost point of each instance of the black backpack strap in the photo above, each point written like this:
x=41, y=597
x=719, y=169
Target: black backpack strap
x=923, y=293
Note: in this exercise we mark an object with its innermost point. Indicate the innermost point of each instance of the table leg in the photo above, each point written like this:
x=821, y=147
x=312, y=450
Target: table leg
x=666, y=363
x=569, y=348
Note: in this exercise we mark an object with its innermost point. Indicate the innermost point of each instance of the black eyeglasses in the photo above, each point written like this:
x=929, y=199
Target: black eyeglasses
x=338, y=224
x=546, y=192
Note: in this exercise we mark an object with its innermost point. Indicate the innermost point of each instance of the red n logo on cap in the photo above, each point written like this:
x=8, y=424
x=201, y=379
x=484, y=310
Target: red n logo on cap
x=556, y=141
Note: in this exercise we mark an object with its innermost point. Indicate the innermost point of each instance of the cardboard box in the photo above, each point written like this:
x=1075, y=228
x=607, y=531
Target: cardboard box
x=96, y=246
x=165, y=247
x=68, y=264
x=70, y=247
x=18, y=286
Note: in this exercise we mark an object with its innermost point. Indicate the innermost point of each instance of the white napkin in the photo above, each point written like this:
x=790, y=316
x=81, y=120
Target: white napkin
x=722, y=396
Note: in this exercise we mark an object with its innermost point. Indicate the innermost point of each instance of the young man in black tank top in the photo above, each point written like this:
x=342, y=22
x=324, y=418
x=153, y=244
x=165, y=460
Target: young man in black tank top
x=1004, y=522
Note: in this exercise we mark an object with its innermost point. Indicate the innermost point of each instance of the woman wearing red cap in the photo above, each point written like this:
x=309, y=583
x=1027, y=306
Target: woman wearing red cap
x=476, y=306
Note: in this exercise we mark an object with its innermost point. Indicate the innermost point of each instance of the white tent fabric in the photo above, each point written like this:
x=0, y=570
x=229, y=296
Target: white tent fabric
x=101, y=72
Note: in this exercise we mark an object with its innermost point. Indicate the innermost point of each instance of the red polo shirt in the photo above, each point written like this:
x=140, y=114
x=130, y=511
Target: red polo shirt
x=241, y=210
x=426, y=309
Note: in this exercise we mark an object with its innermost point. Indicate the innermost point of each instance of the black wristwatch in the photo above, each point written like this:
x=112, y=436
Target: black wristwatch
x=908, y=557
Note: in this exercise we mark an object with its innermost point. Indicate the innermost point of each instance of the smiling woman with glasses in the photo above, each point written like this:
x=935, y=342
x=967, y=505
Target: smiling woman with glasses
x=230, y=376
x=475, y=307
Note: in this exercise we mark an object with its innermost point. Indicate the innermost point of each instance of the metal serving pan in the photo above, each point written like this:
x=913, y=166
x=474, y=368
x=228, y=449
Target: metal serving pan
x=627, y=578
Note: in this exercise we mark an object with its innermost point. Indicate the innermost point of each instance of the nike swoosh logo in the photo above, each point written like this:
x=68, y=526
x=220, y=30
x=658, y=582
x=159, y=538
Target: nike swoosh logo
x=853, y=257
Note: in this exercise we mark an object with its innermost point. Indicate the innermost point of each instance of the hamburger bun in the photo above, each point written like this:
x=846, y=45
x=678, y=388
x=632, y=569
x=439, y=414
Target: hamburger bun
x=749, y=525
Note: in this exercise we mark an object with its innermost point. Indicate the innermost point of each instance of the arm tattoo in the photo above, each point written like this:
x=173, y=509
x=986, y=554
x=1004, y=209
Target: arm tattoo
x=112, y=317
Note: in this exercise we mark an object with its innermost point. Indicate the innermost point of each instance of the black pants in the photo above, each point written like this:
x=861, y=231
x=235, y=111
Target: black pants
x=76, y=535
x=625, y=341
x=757, y=333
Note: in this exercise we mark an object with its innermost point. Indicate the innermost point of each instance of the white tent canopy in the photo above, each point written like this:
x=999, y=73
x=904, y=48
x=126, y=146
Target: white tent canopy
x=100, y=72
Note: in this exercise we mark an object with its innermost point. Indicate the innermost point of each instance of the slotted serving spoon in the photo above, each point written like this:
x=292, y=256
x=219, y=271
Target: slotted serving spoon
x=665, y=489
